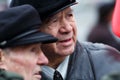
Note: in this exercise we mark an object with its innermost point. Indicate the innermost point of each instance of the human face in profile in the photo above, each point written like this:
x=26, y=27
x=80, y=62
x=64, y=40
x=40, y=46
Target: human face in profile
x=24, y=60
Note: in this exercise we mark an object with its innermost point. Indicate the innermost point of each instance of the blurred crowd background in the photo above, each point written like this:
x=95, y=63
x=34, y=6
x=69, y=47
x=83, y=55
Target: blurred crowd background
x=86, y=14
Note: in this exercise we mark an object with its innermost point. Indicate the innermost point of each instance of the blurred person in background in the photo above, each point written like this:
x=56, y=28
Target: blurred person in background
x=20, y=44
x=101, y=32
x=116, y=30
x=72, y=59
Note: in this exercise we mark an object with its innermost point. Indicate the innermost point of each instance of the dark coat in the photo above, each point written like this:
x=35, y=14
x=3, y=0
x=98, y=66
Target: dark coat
x=92, y=61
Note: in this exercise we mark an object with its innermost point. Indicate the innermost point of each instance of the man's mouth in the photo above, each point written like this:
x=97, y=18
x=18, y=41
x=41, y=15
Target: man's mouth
x=67, y=40
x=38, y=75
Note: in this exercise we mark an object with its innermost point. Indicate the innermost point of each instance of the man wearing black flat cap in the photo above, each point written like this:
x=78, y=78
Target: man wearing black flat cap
x=74, y=60
x=20, y=44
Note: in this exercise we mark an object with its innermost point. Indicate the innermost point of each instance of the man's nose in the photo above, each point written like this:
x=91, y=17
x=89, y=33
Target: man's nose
x=42, y=59
x=65, y=26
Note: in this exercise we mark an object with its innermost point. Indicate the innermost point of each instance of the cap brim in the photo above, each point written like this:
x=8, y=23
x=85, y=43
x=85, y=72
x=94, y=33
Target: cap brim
x=63, y=8
x=32, y=38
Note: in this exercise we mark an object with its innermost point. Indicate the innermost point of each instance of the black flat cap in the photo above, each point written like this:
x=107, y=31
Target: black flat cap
x=20, y=26
x=45, y=8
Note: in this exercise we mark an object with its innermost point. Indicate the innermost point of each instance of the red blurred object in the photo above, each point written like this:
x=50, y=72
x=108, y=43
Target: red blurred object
x=116, y=19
